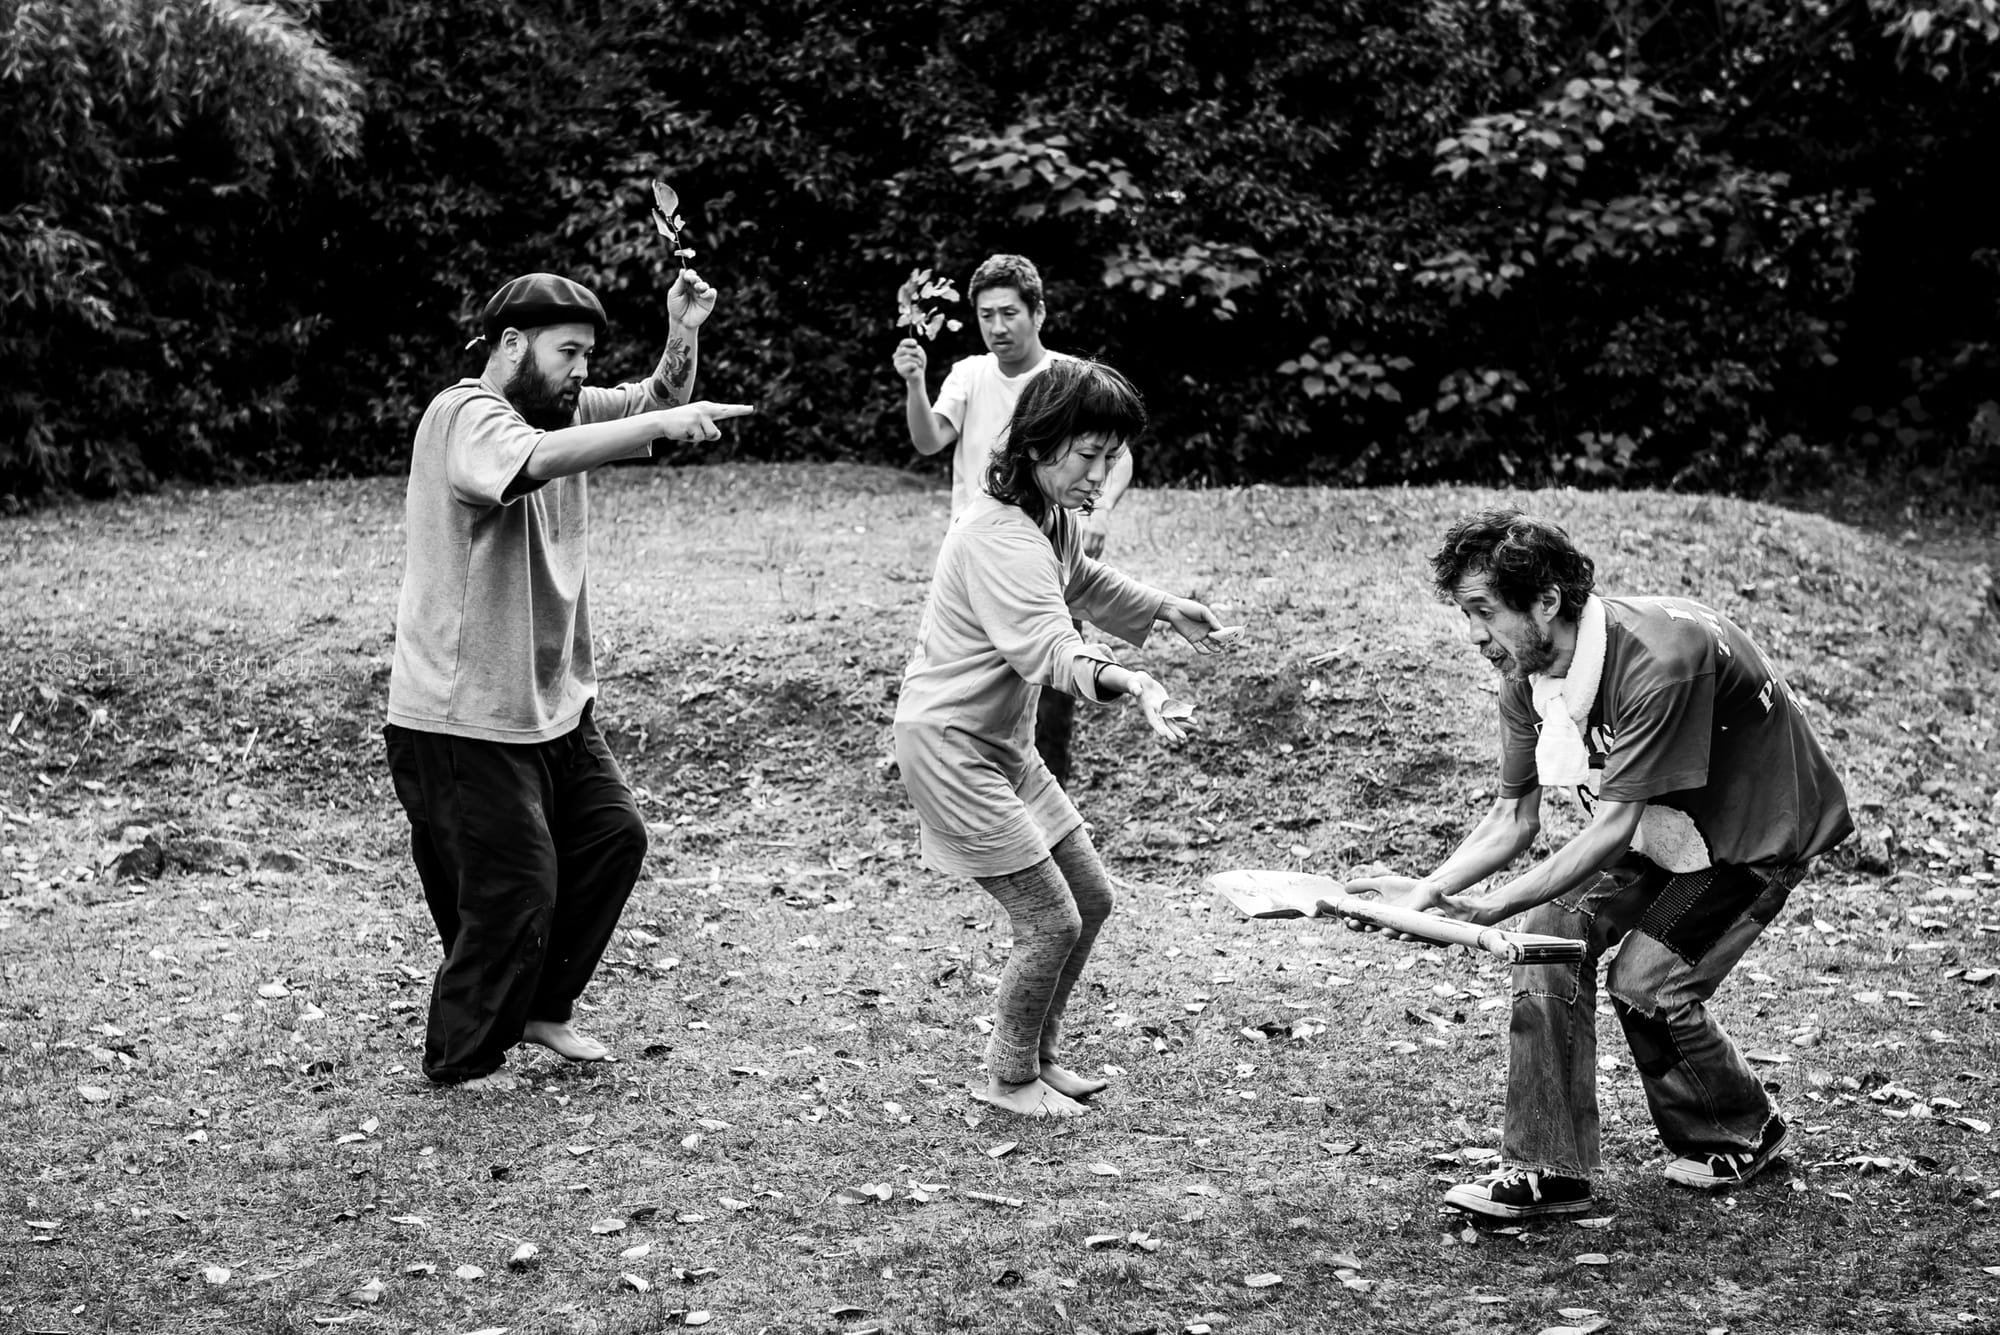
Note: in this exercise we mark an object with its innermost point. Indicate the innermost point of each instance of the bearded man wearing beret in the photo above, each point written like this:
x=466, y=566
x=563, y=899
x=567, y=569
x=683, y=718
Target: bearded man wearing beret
x=524, y=831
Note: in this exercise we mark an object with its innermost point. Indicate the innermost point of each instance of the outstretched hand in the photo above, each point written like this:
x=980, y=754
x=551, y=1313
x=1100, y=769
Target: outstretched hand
x=696, y=421
x=1152, y=697
x=1196, y=624
x=690, y=300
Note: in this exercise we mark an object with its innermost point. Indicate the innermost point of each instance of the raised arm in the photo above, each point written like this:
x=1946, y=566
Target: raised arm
x=689, y=302
x=929, y=430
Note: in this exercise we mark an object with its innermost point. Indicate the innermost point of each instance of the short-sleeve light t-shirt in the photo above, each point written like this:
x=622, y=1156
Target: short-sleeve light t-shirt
x=1691, y=715
x=493, y=625
x=978, y=400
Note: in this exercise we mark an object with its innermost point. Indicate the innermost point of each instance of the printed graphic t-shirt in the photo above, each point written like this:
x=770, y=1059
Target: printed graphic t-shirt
x=1690, y=715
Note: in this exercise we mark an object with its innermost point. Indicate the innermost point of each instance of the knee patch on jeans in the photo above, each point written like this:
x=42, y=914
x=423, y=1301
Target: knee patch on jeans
x=1695, y=909
x=1654, y=1051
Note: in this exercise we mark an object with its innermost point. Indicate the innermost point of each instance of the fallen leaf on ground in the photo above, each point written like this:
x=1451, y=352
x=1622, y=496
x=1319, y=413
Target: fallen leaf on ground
x=215, y=1274
x=1002, y=1150
x=368, y=1294
x=1012, y=1202
x=524, y=1256
x=1592, y=1258
x=612, y=1224
x=93, y=1093
x=1595, y=1323
x=1102, y=1169
x=637, y=1283
x=1603, y=1222
x=1097, y=1240
x=636, y=1253
x=470, y=1272
x=866, y=1191
x=697, y=1318
x=1262, y=1281
x=420, y=1269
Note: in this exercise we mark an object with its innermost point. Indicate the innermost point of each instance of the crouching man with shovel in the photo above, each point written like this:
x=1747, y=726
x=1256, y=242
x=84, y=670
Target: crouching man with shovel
x=1708, y=796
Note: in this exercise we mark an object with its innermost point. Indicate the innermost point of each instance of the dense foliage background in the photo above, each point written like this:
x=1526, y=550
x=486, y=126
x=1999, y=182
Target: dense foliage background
x=1740, y=246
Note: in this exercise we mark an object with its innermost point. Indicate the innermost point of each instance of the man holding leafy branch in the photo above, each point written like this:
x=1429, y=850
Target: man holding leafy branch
x=1708, y=796
x=971, y=413
x=524, y=831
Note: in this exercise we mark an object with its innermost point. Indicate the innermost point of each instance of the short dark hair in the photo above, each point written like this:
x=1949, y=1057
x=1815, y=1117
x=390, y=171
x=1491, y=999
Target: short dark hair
x=1015, y=271
x=1520, y=554
x=1070, y=397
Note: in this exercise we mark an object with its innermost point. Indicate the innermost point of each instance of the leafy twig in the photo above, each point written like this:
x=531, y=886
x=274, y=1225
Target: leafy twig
x=668, y=221
x=916, y=304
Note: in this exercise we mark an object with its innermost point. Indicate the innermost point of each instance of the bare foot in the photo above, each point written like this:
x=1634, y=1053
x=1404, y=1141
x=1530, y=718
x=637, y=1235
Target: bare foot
x=1033, y=1099
x=493, y=1082
x=1065, y=1081
x=564, y=1041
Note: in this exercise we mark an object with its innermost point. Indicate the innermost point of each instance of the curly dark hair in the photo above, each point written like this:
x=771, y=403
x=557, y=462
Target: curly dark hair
x=1520, y=555
x=1015, y=271
x=1071, y=397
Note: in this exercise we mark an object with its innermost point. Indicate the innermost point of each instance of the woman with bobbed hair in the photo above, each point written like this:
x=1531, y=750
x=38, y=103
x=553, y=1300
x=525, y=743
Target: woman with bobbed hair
x=996, y=631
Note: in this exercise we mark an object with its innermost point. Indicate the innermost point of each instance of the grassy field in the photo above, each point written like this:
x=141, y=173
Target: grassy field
x=214, y=957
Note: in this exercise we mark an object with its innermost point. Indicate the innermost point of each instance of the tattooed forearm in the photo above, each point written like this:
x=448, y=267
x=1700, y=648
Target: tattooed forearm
x=675, y=377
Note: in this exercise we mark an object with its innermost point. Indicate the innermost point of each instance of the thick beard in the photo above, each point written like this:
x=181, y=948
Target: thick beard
x=542, y=405
x=1533, y=658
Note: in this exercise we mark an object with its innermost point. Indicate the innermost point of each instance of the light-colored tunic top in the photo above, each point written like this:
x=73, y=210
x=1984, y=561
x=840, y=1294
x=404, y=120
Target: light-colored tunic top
x=997, y=630
x=493, y=626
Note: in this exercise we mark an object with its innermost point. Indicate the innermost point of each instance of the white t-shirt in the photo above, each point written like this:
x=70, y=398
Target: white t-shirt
x=978, y=400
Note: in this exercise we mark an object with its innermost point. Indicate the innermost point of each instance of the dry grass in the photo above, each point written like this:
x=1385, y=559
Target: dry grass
x=796, y=998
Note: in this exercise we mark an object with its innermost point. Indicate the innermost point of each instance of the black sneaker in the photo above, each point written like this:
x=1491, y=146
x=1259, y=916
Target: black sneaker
x=1710, y=1171
x=1517, y=1193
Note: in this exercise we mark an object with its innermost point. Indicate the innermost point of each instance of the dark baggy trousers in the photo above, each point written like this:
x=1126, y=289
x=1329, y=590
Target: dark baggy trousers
x=527, y=853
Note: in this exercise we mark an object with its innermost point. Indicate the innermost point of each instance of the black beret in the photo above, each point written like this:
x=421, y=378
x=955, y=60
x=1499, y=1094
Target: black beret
x=538, y=299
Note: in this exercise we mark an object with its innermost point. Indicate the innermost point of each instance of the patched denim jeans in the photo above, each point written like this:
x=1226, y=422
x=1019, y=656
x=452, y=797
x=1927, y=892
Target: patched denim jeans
x=1678, y=936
